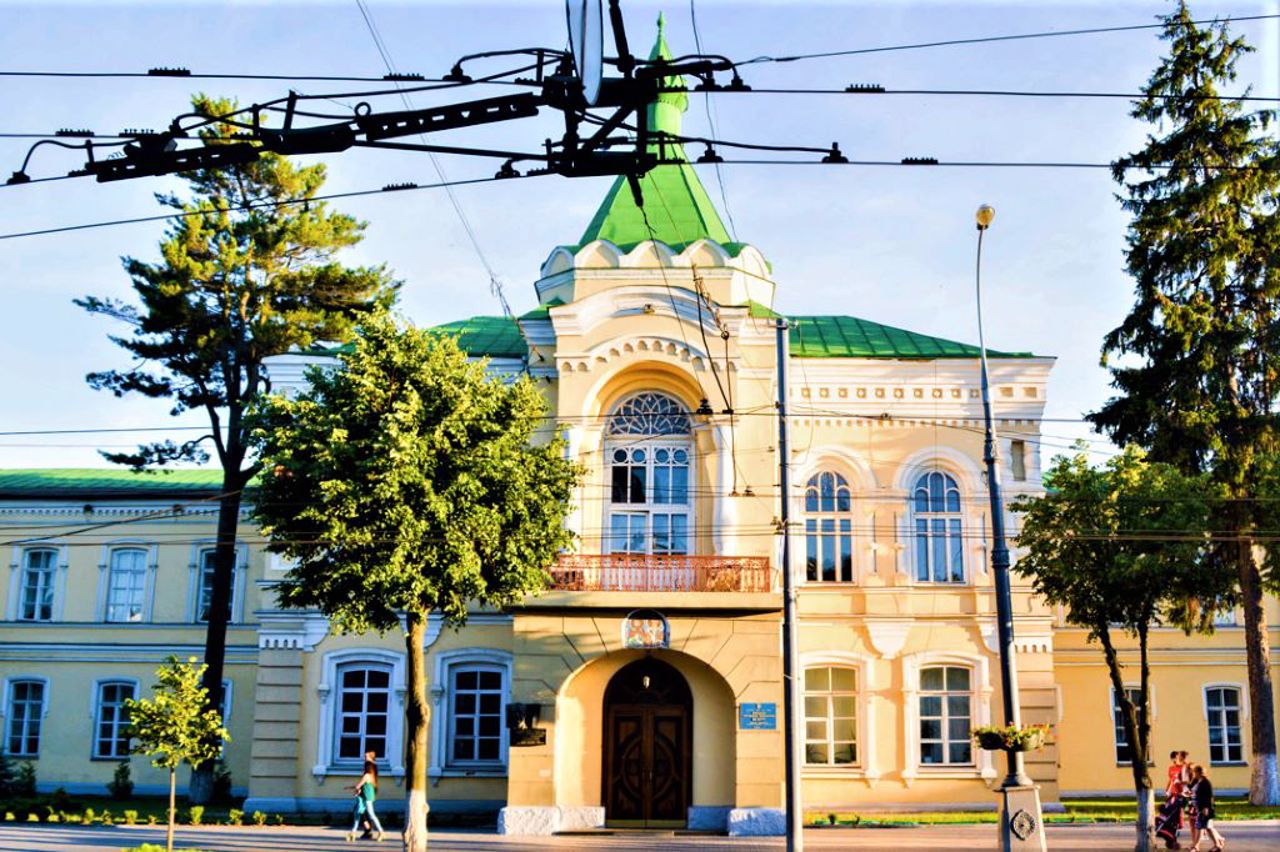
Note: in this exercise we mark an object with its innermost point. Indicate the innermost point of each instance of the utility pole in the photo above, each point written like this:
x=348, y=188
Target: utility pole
x=791, y=699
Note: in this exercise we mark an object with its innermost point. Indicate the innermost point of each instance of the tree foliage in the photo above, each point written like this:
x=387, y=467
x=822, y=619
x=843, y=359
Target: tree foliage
x=405, y=482
x=1195, y=361
x=250, y=270
x=1123, y=549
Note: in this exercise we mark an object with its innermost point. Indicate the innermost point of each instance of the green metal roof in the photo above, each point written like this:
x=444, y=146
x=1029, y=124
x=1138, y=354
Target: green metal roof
x=108, y=482
x=679, y=210
x=497, y=337
x=851, y=337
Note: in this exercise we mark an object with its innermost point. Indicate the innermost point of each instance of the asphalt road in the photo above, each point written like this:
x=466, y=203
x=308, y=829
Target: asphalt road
x=1253, y=836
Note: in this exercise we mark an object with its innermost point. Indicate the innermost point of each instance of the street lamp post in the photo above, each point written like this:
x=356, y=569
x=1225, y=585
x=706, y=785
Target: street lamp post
x=1021, y=826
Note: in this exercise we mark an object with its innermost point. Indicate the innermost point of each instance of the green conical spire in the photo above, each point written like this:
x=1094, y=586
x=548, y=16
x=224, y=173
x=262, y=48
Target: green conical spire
x=679, y=209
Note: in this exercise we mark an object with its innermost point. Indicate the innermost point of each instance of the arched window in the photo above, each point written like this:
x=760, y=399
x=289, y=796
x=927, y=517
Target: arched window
x=939, y=528
x=364, y=701
x=650, y=456
x=38, y=570
x=828, y=529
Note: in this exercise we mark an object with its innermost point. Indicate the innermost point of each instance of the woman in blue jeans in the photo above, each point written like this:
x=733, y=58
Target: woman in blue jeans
x=366, y=790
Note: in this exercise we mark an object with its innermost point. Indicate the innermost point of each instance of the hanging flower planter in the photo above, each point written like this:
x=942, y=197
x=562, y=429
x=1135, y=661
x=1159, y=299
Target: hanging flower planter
x=1011, y=737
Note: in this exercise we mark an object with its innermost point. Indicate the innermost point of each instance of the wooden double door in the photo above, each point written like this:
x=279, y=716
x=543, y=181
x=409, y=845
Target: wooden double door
x=648, y=736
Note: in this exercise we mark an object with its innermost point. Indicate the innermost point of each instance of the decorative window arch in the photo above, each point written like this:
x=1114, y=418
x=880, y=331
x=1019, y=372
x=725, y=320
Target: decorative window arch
x=361, y=708
x=828, y=509
x=466, y=682
x=650, y=414
x=649, y=451
x=937, y=528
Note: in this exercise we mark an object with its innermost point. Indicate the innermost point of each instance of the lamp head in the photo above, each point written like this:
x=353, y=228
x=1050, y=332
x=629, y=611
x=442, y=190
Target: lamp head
x=984, y=216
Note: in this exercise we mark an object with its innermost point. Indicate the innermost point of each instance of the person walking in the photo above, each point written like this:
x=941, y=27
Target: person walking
x=1169, y=819
x=366, y=790
x=1201, y=795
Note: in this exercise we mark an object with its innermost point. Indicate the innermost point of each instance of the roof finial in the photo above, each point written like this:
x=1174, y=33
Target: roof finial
x=662, y=23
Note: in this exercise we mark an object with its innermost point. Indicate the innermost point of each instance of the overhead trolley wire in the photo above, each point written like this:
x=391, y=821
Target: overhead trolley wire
x=829, y=54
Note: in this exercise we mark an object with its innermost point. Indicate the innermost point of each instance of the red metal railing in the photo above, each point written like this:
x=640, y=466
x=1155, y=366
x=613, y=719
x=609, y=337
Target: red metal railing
x=640, y=572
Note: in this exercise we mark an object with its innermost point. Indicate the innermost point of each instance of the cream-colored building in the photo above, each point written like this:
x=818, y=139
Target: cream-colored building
x=644, y=687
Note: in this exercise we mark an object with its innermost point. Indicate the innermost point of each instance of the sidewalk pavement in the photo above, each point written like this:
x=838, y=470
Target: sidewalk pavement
x=1245, y=836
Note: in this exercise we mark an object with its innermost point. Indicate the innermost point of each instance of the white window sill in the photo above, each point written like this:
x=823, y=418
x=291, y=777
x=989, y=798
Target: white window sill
x=467, y=772
x=952, y=772
x=349, y=771
x=820, y=771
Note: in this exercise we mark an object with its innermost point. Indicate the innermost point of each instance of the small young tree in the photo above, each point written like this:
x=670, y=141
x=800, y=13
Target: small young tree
x=406, y=482
x=176, y=725
x=250, y=272
x=1123, y=549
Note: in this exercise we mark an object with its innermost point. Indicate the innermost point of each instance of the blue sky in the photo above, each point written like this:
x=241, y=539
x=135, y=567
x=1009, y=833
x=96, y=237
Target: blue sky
x=893, y=245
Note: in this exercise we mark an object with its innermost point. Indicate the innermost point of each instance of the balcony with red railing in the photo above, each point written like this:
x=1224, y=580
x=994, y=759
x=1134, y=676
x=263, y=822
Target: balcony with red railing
x=669, y=580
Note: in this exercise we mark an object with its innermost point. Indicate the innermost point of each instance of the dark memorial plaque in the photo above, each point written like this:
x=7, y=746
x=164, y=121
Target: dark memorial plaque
x=523, y=737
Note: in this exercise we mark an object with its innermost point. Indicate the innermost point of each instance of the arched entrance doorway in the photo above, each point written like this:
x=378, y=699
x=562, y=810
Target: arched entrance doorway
x=648, y=726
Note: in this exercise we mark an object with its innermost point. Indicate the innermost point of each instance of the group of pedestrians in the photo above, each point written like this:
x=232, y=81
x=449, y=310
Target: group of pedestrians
x=1190, y=790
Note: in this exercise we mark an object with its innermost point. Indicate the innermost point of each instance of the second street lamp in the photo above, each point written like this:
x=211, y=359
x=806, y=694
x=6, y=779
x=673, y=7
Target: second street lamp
x=1021, y=827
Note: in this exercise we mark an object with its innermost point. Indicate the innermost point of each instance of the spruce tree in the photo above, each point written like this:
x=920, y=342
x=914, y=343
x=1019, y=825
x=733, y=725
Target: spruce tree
x=250, y=272
x=1196, y=359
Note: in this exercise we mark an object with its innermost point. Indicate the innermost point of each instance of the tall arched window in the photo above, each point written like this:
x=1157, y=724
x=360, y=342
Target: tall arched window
x=649, y=449
x=828, y=527
x=939, y=527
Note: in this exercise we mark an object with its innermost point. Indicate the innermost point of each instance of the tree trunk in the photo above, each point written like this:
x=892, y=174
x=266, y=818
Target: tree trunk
x=415, y=714
x=200, y=789
x=1264, y=782
x=173, y=786
x=1145, y=825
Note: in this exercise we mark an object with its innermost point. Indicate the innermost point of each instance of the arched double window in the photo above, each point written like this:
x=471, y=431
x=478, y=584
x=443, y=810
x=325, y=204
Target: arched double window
x=649, y=450
x=938, y=528
x=828, y=526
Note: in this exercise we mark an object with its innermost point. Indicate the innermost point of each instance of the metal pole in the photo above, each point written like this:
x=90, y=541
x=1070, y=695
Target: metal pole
x=1017, y=776
x=790, y=629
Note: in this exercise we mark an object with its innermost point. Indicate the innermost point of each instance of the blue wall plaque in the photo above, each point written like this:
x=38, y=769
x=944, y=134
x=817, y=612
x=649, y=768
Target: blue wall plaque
x=758, y=717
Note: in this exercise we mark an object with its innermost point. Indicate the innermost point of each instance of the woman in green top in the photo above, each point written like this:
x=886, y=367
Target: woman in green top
x=366, y=790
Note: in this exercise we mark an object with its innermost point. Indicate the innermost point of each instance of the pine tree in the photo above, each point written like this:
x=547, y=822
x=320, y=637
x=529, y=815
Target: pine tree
x=250, y=274
x=1198, y=352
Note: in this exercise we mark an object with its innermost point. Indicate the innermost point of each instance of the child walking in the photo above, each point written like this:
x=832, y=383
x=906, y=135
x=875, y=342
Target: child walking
x=366, y=790
x=1202, y=797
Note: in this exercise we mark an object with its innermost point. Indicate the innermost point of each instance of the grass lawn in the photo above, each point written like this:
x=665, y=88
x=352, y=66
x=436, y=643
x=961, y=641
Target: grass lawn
x=1078, y=810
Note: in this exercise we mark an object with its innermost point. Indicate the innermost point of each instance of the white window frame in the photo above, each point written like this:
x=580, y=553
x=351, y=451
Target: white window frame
x=150, y=564
x=1112, y=708
x=948, y=517
x=195, y=585
x=1242, y=707
x=828, y=718
x=95, y=713
x=445, y=664
x=945, y=739
x=6, y=712
x=866, y=667
x=651, y=445
x=838, y=518
x=17, y=571
x=327, y=708
x=980, y=690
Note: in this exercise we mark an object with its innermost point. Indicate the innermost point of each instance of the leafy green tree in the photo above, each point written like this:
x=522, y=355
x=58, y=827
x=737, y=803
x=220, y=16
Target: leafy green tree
x=1123, y=549
x=250, y=274
x=176, y=725
x=406, y=482
x=1197, y=354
